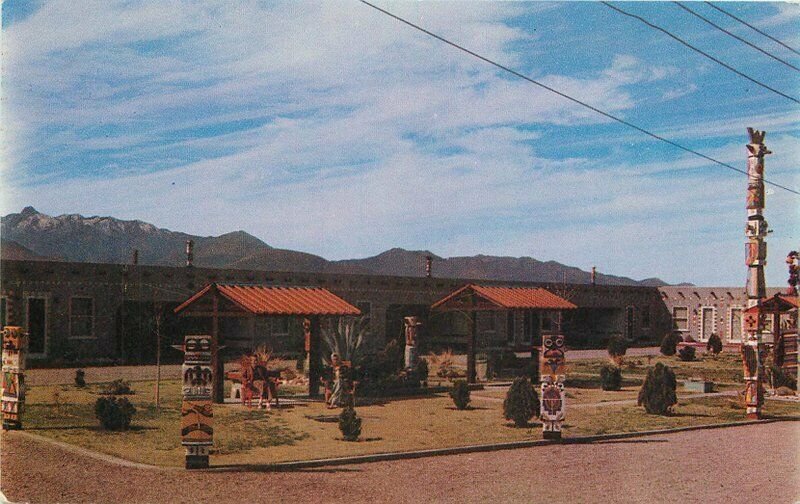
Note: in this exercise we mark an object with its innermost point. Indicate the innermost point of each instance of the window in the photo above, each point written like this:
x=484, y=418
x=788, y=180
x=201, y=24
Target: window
x=645, y=317
x=37, y=325
x=706, y=322
x=680, y=318
x=365, y=307
x=735, y=320
x=280, y=326
x=81, y=317
x=2, y=312
x=547, y=321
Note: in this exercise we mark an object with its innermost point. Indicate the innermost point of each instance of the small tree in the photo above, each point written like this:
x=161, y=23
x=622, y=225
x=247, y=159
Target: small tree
x=80, y=378
x=349, y=424
x=669, y=345
x=460, y=394
x=521, y=402
x=114, y=413
x=714, y=344
x=610, y=377
x=657, y=394
x=617, y=346
x=687, y=353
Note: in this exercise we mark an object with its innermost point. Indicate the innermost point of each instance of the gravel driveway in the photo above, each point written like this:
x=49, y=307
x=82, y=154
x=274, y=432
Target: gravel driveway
x=748, y=464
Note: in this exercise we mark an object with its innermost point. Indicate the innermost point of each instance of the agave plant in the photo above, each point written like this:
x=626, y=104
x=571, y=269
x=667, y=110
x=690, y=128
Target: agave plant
x=344, y=337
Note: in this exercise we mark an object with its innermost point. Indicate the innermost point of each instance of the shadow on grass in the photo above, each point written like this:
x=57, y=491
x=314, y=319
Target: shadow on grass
x=93, y=428
x=468, y=408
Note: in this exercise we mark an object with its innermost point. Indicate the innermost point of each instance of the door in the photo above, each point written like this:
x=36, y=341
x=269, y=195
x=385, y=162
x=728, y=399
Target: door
x=37, y=325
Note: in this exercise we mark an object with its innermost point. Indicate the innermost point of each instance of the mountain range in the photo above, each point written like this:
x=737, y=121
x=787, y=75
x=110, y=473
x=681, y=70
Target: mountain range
x=36, y=236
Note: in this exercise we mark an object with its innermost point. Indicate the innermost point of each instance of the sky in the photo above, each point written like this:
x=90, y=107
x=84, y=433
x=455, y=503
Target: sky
x=333, y=129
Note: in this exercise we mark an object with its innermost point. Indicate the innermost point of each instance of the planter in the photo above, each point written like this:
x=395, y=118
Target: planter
x=698, y=386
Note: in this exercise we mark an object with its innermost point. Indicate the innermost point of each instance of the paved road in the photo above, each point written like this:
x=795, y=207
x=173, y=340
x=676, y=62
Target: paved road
x=748, y=464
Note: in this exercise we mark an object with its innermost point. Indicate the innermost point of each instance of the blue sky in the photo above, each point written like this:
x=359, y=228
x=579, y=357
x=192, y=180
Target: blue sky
x=333, y=129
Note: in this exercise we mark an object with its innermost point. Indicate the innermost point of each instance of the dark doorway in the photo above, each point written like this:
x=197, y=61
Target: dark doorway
x=37, y=325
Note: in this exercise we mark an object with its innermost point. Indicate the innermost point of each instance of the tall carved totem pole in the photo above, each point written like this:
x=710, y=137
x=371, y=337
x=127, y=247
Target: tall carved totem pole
x=197, y=420
x=552, y=370
x=13, y=398
x=756, y=259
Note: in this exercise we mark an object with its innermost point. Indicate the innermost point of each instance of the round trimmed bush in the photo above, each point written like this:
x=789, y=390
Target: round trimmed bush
x=460, y=394
x=114, y=413
x=617, y=346
x=669, y=345
x=521, y=402
x=349, y=424
x=714, y=344
x=657, y=394
x=610, y=377
x=687, y=354
x=80, y=378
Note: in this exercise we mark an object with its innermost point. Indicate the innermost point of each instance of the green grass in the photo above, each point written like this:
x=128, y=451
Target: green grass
x=723, y=368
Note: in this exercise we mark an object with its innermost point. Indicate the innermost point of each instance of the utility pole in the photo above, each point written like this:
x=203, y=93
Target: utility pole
x=756, y=258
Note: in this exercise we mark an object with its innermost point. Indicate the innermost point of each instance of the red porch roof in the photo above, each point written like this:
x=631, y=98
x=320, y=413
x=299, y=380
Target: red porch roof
x=779, y=302
x=271, y=300
x=502, y=298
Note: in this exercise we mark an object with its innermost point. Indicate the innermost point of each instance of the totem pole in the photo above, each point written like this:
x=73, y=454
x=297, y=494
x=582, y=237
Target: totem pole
x=793, y=262
x=756, y=259
x=197, y=420
x=412, y=325
x=13, y=398
x=552, y=371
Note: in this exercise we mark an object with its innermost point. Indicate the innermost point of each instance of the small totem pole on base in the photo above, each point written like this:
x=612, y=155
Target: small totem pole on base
x=412, y=325
x=197, y=420
x=552, y=371
x=756, y=259
x=13, y=398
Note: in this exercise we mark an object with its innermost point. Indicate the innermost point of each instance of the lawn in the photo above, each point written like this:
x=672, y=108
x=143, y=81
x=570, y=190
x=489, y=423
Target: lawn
x=256, y=437
x=723, y=368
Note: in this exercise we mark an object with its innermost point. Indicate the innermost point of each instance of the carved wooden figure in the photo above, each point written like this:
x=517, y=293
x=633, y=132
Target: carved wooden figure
x=197, y=418
x=13, y=379
x=552, y=369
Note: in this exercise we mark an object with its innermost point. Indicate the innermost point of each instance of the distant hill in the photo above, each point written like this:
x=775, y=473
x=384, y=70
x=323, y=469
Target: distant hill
x=34, y=235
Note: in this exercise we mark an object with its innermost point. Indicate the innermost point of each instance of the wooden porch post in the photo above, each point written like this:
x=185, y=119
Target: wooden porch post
x=535, y=372
x=471, y=375
x=314, y=357
x=216, y=361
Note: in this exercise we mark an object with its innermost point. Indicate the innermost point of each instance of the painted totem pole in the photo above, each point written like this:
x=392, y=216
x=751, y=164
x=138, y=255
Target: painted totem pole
x=756, y=259
x=552, y=369
x=13, y=398
x=412, y=325
x=197, y=420
x=793, y=262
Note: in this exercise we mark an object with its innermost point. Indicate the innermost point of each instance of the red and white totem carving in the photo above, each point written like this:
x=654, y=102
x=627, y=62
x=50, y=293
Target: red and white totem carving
x=197, y=419
x=755, y=258
x=552, y=371
x=13, y=396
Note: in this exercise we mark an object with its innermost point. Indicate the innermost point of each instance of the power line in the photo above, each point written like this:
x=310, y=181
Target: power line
x=693, y=48
x=740, y=39
x=752, y=27
x=568, y=97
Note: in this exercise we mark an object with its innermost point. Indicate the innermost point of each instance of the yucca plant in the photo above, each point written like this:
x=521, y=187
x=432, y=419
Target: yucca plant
x=445, y=364
x=344, y=338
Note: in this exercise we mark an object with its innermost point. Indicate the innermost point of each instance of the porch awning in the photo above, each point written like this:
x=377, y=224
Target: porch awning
x=475, y=297
x=269, y=300
x=778, y=302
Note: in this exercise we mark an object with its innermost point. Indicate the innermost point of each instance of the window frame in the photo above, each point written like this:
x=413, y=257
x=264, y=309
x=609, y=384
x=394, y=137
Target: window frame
x=675, y=326
x=92, y=333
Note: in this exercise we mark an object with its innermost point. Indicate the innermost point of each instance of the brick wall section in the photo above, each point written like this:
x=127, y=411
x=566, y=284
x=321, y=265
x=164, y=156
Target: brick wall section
x=603, y=310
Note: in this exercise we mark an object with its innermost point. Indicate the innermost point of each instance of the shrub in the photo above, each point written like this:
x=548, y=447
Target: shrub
x=80, y=378
x=521, y=402
x=610, y=377
x=714, y=344
x=349, y=424
x=118, y=387
x=114, y=413
x=687, y=353
x=779, y=378
x=657, y=394
x=669, y=345
x=422, y=371
x=617, y=346
x=460, y=394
